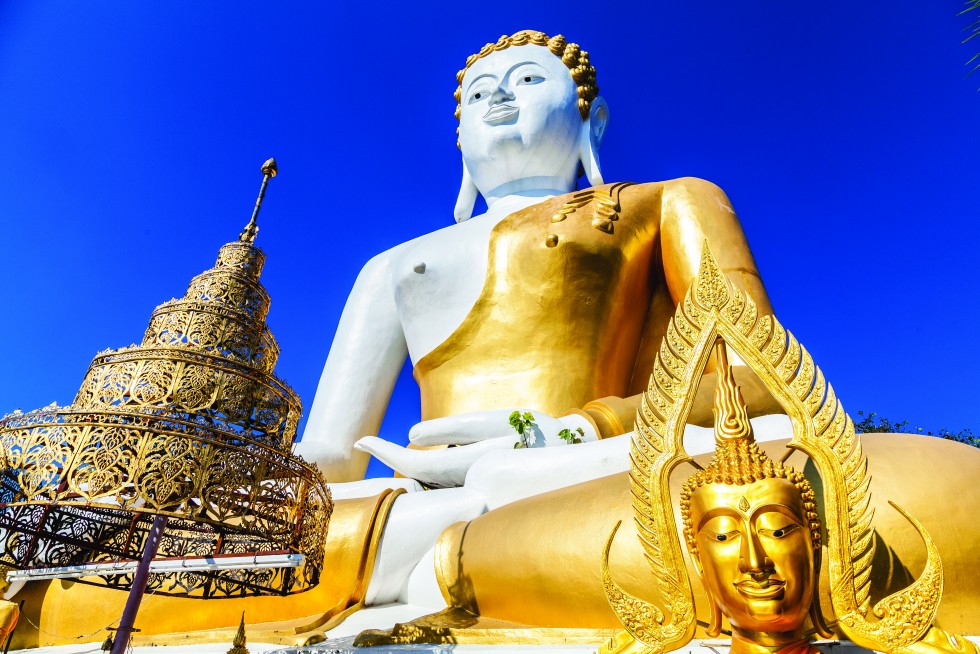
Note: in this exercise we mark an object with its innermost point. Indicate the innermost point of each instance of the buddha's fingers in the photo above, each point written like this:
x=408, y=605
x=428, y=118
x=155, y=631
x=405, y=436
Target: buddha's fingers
x=438, y=468
x=479, y=426
x=463, y=428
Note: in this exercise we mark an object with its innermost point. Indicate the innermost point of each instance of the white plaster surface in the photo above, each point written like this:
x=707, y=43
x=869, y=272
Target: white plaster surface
x=423, y=588
x=415, y=523
x=371, y=487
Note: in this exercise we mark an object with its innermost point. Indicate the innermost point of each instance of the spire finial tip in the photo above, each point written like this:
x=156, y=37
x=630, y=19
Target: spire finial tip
x=269, y=170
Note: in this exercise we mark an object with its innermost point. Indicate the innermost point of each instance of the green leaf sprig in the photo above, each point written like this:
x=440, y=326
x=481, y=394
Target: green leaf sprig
x=523, y=425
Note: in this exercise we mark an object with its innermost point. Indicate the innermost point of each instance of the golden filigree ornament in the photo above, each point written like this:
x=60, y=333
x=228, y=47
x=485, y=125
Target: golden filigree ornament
x=607, y=206
x=191, y=424
x=715, y=309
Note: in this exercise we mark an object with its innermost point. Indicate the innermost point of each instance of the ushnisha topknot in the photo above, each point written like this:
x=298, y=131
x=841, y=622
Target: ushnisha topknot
x=575, y=58
x=738, y=460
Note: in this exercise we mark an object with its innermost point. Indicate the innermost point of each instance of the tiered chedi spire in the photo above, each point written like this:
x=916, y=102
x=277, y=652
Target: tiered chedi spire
x=191, y=424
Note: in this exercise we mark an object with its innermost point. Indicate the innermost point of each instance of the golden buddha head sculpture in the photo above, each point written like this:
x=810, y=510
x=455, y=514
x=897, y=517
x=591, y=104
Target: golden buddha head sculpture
x=752, y=529
x=750, y=523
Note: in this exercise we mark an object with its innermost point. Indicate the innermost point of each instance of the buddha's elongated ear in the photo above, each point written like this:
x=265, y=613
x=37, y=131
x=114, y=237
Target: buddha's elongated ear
x=817, y=617
x=714, y=615
x=593, y=130
x=467, y=197
x=714, y=608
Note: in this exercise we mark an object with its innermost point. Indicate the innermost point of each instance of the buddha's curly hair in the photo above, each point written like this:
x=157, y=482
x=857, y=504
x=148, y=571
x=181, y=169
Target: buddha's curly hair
x=739, y=462
x=574, y=57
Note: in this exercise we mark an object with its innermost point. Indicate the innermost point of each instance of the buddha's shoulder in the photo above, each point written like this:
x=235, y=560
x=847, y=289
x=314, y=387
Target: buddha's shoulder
x=422, y=245
x=666, y=192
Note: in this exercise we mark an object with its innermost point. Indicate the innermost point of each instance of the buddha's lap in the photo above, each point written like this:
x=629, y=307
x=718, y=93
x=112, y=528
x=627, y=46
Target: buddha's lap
x=549, y=546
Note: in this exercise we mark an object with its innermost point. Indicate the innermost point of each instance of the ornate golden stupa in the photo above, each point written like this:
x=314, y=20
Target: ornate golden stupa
x=191, y=424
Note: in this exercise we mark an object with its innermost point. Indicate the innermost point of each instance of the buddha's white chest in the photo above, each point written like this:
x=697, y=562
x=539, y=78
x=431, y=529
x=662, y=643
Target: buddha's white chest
x=437, y=279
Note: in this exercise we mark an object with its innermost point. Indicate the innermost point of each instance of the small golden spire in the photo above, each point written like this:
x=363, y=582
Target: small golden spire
x=239, y=642
x=269, y=170
x=731, y=416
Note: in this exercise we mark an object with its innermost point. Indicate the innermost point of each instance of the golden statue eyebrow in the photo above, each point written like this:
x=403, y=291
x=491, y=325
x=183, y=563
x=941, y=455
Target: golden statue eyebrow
x=781, y=509
x=718, y=511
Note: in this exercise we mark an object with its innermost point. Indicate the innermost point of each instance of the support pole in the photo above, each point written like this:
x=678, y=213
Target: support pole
x=125, y=628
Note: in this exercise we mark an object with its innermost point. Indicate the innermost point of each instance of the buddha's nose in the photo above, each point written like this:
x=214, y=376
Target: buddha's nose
x=500, y=94
x=752, y=558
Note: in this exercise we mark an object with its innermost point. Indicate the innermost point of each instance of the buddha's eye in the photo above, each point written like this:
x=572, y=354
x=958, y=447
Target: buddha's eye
x=721, y=536
x=720, y=529
x=780, y=532
x=529, y=78
x=783, y=531
x=476, y=96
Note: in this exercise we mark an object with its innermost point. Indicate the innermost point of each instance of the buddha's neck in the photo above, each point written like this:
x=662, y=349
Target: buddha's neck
x=525, y=191
x=750, y=642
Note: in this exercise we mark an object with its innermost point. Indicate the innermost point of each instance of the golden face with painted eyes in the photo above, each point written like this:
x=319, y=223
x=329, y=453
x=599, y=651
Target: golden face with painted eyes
x=755, y=553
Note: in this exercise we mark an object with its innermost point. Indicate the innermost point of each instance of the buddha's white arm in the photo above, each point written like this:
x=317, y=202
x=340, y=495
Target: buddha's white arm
x=365, y=359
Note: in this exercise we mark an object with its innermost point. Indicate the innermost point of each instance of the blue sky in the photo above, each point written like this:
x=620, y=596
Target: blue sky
x=845, y=134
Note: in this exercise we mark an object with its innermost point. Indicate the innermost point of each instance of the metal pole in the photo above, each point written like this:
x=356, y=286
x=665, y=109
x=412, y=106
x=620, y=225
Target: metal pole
x=125, y=628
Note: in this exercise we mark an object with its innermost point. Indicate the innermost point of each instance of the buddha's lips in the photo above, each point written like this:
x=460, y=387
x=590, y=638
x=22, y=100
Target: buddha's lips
x=500, y=113
x=768, y=589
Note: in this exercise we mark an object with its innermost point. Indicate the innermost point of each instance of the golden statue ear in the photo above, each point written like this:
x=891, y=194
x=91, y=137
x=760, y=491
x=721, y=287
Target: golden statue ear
x=816, y=613
x=697, y=567
x=714, y=608
x=714, y=615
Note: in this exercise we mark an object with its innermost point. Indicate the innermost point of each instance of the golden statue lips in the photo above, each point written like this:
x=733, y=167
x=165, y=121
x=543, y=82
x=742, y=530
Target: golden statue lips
x=770, y=588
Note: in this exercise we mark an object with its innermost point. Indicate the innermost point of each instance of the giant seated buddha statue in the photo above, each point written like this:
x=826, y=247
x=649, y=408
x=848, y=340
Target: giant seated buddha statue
x=551, y=300
x=554, y=302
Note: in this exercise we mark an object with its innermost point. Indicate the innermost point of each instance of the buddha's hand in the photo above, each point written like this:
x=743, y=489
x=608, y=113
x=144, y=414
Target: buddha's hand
x=442, y=468
x=478, y=434
x=539, y=429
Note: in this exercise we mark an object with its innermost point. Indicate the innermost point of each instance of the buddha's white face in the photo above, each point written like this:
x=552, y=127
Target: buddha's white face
x=519, y=118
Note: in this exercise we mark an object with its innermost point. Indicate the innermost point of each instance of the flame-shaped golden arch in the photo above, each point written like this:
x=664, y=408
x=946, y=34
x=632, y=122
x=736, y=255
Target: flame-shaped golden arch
x=714, y=308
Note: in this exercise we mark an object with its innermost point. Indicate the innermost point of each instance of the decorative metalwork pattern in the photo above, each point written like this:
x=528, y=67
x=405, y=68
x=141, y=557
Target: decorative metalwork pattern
x=191, y=424
x=607, y=206
x=714, y=308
